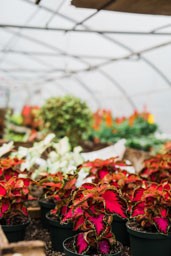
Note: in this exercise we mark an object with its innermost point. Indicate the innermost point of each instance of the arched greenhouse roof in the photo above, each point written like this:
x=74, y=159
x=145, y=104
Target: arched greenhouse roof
x=114, y=60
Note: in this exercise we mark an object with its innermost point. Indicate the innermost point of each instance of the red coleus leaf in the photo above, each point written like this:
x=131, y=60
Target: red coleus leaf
x=26, y=182
x=72, y=214
x=138, y=193
x=93, y=209
x=167, y=186
x=98, y=223
x=24, y=210
x=7, y=163
x=56, y=197
x=79, y=222
x=68, y=216
x=103, y=172
x=64, y=210
x=88, y=185
x=138, y=209
x=5, y=206
x=162, y=224
x=163, y=212
x=11, y=182
x=104, y=247
x=114, y=204
x=81, y=244
x=2, y=191
x=70, y=184
x=16, y=193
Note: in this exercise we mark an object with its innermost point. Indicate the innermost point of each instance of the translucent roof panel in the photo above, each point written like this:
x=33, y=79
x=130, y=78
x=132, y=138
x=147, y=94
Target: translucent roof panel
x=113, y=60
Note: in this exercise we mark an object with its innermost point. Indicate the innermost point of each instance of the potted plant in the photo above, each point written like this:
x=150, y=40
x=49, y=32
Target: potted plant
x=91, y=211
x=50, y=185
x=151, y=220
x=111, y=171
x=62, y=198
x=14, y=191
x=125, y=183
x=157, y=168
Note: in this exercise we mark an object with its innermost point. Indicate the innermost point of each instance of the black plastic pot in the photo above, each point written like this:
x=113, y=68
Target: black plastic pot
x=45, y=208
x=68, y=252
x=59, y=233
x=149, y=244
x=15, y=233
x=120, y=230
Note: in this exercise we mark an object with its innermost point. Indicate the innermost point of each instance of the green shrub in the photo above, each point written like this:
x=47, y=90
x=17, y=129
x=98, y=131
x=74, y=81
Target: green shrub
x=67, y=116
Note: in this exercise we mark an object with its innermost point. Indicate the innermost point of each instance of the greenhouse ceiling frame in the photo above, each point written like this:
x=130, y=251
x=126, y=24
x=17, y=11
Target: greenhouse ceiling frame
x=86, y=29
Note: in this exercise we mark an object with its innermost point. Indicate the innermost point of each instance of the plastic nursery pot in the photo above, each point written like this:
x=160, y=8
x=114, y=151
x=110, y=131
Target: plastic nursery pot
x=120, y=230
x=59, y=233
x=149, y=244
x=15, y=233
x=45, y=208
x=68, y=251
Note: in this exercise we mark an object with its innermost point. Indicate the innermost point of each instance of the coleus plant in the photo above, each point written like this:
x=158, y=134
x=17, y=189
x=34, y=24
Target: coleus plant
x=58, y=188
x=91, y=210
x=98, y=168
x=125, y=182
x=157, y=168
x=14, y=191
x=111, y=171
x=151, y=207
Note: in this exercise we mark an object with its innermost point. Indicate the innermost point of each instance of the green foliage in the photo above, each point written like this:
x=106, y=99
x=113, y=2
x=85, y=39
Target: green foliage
x=140, y=127
x=139, y=133
x=67, y=116
x=16, y=119
x=12, y=121
x=146, y=143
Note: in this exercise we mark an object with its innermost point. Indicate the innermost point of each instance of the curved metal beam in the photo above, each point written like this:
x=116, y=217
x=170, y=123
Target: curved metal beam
x=11, y=40
x=120, y=88
x=54, y=14
x=49, y=46
x=120, y=44
x=114, y=41
x=159, y=72
x=72, y=30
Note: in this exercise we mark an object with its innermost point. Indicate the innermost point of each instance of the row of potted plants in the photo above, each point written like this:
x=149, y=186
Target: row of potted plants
x=117, y=196
x=70, y=116
x=113, y=196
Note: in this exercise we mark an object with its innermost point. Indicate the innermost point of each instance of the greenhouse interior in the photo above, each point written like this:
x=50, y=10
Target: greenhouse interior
x=85, y=128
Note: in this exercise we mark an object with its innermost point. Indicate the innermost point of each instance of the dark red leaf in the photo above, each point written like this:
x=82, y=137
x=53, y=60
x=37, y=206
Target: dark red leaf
x=138, y=209
x=81, y=244
x=103, y=172
x=162, y=224
x=2, y=191
x=138, y=194
x=79, y=222
x=98, y=223
x=104, y=247
x=88, y=185
x=114, y=204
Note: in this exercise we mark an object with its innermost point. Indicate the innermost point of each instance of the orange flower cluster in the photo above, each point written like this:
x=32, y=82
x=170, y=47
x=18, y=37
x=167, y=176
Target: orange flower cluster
x=102, y=116
x=145, y=115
